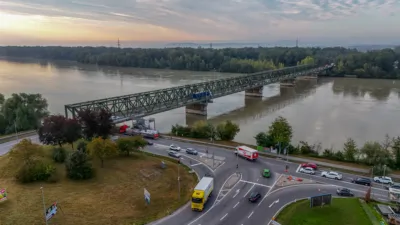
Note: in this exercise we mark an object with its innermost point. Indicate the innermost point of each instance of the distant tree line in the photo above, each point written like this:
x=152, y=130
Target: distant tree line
x=372, y=64
x=225, y=131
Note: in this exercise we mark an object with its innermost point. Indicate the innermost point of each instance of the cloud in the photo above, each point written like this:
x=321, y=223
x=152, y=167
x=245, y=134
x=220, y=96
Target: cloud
x=217, y=19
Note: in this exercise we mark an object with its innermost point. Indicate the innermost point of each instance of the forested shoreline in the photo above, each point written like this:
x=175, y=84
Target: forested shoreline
x=373, y=64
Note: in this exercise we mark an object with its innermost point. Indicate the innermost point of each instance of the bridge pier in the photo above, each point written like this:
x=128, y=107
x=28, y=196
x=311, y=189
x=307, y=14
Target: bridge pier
x=197, y=108
x=192, y=119
x=288, y=83
x=254, y=92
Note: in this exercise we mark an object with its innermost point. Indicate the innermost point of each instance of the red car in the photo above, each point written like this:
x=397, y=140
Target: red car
x=312, y=165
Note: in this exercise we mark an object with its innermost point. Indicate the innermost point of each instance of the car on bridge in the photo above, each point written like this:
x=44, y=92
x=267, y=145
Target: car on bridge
x=191, y=151
x=254, y=196
x=307, y=170
x=312, y=165
x=344, y=192
x=174, y=148
x=332, y=175
x=383, y=180
x=362, y=181
x=174, y=154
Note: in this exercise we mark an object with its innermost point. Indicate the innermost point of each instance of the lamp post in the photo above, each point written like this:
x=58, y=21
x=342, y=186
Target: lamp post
x=179, y=182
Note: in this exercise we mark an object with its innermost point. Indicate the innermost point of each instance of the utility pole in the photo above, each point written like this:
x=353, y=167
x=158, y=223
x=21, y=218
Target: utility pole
x=179, y=183
x=15, y=126
x=119, y=44
x=44, y=205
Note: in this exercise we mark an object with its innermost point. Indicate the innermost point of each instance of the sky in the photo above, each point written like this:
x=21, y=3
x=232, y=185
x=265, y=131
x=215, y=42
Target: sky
x=103, y=22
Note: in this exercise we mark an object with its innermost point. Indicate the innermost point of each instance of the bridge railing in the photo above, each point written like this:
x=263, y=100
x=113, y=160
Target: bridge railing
x=152, y=102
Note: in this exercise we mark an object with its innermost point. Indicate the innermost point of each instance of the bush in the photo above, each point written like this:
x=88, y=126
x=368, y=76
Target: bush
x=35, y=171
x=226, y=131
x=59, y=154
x=81, y=146
x=203, y=129
x=78, y=166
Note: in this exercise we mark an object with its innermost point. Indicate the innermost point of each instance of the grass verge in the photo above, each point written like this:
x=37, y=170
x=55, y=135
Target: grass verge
x=342, y=211
x=115, y=196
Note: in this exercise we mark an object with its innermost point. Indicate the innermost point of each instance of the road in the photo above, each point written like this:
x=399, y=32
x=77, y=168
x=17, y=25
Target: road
x=229, y=202
x=5, y=147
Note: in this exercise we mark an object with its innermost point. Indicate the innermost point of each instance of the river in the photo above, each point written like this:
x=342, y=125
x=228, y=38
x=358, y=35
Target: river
x=326, y=111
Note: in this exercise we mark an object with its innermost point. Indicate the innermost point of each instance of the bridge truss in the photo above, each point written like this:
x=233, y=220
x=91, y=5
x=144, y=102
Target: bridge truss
x=152, y=102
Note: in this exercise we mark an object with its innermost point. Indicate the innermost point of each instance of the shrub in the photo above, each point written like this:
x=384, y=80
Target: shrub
x=59, y=154
x=226, y=131
x=203, y=129
x=35, y=171
x=81, y=146
x=78, y=166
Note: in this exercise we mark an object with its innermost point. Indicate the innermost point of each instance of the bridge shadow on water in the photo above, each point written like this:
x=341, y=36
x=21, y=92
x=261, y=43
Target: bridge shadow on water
x=257, y=107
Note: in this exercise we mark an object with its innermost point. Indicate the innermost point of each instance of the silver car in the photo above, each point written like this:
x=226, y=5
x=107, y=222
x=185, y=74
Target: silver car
x=174, y=148
x=307, y=170
x=174, y=154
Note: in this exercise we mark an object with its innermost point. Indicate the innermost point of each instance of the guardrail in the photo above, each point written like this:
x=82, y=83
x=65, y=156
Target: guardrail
x=13, y=137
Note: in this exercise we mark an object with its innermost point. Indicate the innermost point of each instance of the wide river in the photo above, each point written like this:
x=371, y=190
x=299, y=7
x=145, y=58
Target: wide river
x=327, y=111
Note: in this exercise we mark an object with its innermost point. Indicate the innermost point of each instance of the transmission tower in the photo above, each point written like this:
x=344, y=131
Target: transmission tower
x=297, y=42
x=119, y=44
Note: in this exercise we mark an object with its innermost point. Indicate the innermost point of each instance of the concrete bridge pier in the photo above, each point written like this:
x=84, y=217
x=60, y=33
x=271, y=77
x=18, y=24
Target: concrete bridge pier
x=254, y=92
x=191, y=119
x=288, y=83
x=197, y=108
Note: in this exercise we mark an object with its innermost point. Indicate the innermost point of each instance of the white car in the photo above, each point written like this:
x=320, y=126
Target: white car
x=383, y=180
x=332, y=175
x=174, y=148
x=307, y=170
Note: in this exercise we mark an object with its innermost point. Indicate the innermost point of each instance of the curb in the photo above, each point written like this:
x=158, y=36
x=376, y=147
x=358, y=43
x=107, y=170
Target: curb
x=159, y=221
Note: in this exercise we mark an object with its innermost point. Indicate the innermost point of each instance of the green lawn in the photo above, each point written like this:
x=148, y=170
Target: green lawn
x=343, y=211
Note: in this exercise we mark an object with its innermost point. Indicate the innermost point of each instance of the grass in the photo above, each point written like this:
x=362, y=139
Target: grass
x=342, y=211
x=114, y=196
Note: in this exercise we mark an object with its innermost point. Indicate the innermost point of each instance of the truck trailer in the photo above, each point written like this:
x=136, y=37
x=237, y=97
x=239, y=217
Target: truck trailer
x=201, y=193
x=246, y=152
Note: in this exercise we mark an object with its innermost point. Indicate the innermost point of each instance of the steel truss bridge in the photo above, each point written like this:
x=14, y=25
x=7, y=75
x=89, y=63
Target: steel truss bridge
x=133, y=106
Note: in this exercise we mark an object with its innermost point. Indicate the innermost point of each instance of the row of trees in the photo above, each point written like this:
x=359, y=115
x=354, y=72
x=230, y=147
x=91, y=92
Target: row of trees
x=373, y=64
x=92, y=130
x=372, y=153
x=21, y=112
x=225, y=131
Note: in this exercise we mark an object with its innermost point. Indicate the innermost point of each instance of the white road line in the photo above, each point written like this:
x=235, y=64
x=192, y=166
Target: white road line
x=298, y=168
x=219, y=193
x=196, y=164
x=223, y=217
x=273, y=185
x=219, y=166
x=248, y=191
x=258, y=179
x=236, y=205
x=250, y=214
x=249, y=182
x=199, y=162
x=237, y=192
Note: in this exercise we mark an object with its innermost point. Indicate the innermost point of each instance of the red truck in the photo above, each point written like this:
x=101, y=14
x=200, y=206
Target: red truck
x=246, y=152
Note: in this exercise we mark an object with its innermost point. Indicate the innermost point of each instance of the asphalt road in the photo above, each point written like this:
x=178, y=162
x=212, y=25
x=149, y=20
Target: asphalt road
x=230, y=205
x=6, y=147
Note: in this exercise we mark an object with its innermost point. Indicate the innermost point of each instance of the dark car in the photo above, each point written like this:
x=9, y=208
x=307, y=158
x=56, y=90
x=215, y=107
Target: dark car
x=362, y=181
x=149, y=143
x=191, y=151
x=254, y=196
x=344, y=192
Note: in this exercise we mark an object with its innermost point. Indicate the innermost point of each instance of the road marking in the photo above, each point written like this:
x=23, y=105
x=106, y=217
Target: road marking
x=236, y=205
x=249, y=182
x=258, y=179
x=219, y=193
x=219, y=166
x=196, y=164
x=249, y=190
x=298, y=168
x=223, y=217
x=199, y=162
x=274, y=203
x=237, y=192
x=273, y=185
x=250, y=214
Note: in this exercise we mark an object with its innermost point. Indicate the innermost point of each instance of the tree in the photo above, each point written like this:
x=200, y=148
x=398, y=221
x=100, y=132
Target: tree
x=102, y=148
x=25, y=150
x=129, y=144
x=105, y=123
x=2, y=99
x=375, y=154
x=52, y=131
x=396, y=151
x=96, y=123
x=78, y=166
x=203, y=129
x=227, y=130
x=280, y=131
x=72, y=131
x=264, y=140
x=350, y=150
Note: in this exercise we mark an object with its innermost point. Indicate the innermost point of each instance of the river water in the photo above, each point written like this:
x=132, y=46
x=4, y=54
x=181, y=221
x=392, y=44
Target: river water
x=325, y=111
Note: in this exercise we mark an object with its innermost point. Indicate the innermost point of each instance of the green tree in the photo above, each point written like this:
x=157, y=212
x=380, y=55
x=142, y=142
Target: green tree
x=2, y=99
x=129, y=144
x=78, y=166
x=396, y=151
x=309, y=60
x=102, y=149
x=350, y=150
x=375, y=154
x=203, y=129
x=280, y=131
x=227, y=130
x=264, y=140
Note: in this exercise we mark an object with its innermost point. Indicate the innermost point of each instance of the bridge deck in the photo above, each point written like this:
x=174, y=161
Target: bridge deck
x=153, y=102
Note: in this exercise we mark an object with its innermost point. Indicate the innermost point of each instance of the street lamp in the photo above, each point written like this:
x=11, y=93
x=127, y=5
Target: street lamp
x=179, y=182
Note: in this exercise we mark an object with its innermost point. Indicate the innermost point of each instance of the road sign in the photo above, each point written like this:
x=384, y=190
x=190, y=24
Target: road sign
x=146, y=196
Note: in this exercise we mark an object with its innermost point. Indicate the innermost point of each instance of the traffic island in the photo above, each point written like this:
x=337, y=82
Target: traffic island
x=212, y=161
x=287, y=180
x=228, y=185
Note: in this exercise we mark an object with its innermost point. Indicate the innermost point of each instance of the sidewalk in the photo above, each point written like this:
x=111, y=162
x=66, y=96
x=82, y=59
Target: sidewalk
x=292, y=158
